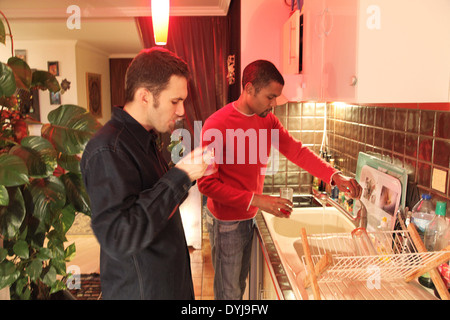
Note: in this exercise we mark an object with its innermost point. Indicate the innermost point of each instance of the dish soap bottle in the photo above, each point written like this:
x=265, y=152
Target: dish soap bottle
x=434, y=233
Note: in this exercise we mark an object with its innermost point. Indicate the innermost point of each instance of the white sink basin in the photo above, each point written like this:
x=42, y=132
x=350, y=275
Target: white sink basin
x=315, y=220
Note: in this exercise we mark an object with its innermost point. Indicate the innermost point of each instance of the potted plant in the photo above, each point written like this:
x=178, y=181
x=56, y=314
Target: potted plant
x=41, y=188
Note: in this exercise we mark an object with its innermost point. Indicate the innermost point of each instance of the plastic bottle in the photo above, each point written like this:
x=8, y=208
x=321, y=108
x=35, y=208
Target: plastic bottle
x=444, y=268
x=422, y=214
x=434, y=234
x=435, y=231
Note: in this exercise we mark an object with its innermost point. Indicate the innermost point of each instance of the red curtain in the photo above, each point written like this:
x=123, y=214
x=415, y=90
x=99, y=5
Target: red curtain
x=203, y=43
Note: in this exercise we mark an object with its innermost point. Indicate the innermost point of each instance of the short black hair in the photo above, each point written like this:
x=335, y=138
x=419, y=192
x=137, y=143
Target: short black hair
x=260, y=73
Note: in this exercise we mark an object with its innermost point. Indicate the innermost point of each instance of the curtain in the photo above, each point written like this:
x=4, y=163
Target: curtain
x=203, y=43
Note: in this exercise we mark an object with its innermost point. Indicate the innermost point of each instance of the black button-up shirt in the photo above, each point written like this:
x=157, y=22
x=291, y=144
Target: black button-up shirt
x=135, y=217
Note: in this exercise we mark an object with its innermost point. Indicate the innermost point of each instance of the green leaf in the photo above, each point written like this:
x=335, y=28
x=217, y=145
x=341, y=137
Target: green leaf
x=23, y=288
x=13, y=171
x=20, y=248
x=49, y=276
x=69, y=162
x=76, y=192
x=3, y=254
x=12, y=216
x=57, y=286
x=2, y=33
x=45, y=80
x=4, y=198
x=22, y=72
x=8, y=273
x=67, y=217
x=34, y=269
x=49, y=196
x=70, y=252
x=7, y=81
x=60, y=266
x=57, y=247
x=38, y=154
x=70, y=128
x=44, y=254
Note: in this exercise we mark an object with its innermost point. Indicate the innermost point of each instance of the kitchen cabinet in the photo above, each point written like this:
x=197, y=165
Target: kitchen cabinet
x=376, y=51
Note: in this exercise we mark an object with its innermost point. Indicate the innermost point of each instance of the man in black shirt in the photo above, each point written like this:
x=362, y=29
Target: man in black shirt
x=134, y=196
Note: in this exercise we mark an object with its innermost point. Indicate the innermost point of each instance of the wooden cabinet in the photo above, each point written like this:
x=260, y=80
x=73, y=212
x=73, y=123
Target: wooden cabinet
x=376, y=51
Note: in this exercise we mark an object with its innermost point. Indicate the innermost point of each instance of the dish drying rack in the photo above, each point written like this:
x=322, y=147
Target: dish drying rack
x=331, y=257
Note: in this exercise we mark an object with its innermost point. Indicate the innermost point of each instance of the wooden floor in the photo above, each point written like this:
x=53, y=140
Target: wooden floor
x=88, y=261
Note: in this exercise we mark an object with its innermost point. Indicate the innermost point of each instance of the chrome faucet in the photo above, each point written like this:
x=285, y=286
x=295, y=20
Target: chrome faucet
x=360, y=220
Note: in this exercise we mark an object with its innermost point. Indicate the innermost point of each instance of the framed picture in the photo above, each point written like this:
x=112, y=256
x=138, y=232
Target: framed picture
x=55, y=97
x=53, y=67
x=22, y=54
x=94, y=94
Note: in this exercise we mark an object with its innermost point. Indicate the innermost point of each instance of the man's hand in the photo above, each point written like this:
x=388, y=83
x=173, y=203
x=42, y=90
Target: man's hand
x=348, y=185
x=273, y=205
x=193, y=164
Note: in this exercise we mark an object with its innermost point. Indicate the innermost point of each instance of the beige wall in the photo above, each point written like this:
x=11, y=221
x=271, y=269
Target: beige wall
x=75, y=59
x=92, y=60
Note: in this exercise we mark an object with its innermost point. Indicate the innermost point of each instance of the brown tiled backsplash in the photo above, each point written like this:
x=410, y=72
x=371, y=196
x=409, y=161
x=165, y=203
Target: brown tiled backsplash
x=418, y=140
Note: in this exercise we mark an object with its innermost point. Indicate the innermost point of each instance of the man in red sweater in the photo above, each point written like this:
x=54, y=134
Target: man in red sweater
x=241, y=134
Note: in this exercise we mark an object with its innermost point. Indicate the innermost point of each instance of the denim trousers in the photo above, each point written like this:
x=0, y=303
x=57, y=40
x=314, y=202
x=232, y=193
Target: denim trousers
x=231, y=244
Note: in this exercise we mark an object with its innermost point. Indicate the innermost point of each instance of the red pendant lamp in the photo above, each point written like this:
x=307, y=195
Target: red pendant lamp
x=160, y=18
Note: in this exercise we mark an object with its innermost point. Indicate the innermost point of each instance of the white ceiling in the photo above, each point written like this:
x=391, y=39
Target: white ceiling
x=107, y=25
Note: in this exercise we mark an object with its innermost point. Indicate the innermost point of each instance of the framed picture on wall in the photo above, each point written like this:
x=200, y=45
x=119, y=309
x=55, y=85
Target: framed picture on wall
x=55, y=97
x=53, y=67
x=94, y=94
x=22, y=54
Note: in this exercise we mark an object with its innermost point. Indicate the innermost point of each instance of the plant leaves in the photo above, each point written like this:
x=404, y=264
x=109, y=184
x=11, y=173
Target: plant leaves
x=8, y=273
x=67, y=217
x=7, y=81
x=59, y=265
x=2, y=33
x=11, y=217
x=4, y=198
x=70, y=252
x=45, y=80
x=20, y=248
x=57, y=286
x=34, y=269
x=44, y=254
x=3, y=254
x=13, y=171
x=49, y=276
x=22, y=72
x=49, y=196
x=70, y=128
x=69, y=162
x=76, y=192
x=38, y=154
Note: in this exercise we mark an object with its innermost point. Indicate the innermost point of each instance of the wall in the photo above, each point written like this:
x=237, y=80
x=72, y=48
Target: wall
x=75, y=59
x=418, y=140
x=92, y=60
x=38, y=54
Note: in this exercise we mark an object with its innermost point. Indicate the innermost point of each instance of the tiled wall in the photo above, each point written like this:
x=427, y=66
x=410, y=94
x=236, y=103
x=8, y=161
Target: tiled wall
x=418, y=140
x=304, y=121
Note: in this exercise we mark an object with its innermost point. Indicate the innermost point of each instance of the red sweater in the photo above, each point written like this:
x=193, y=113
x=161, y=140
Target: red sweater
x=242, y=162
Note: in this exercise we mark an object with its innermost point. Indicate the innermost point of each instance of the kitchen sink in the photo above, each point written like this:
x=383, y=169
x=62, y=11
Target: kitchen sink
x=323, y=221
